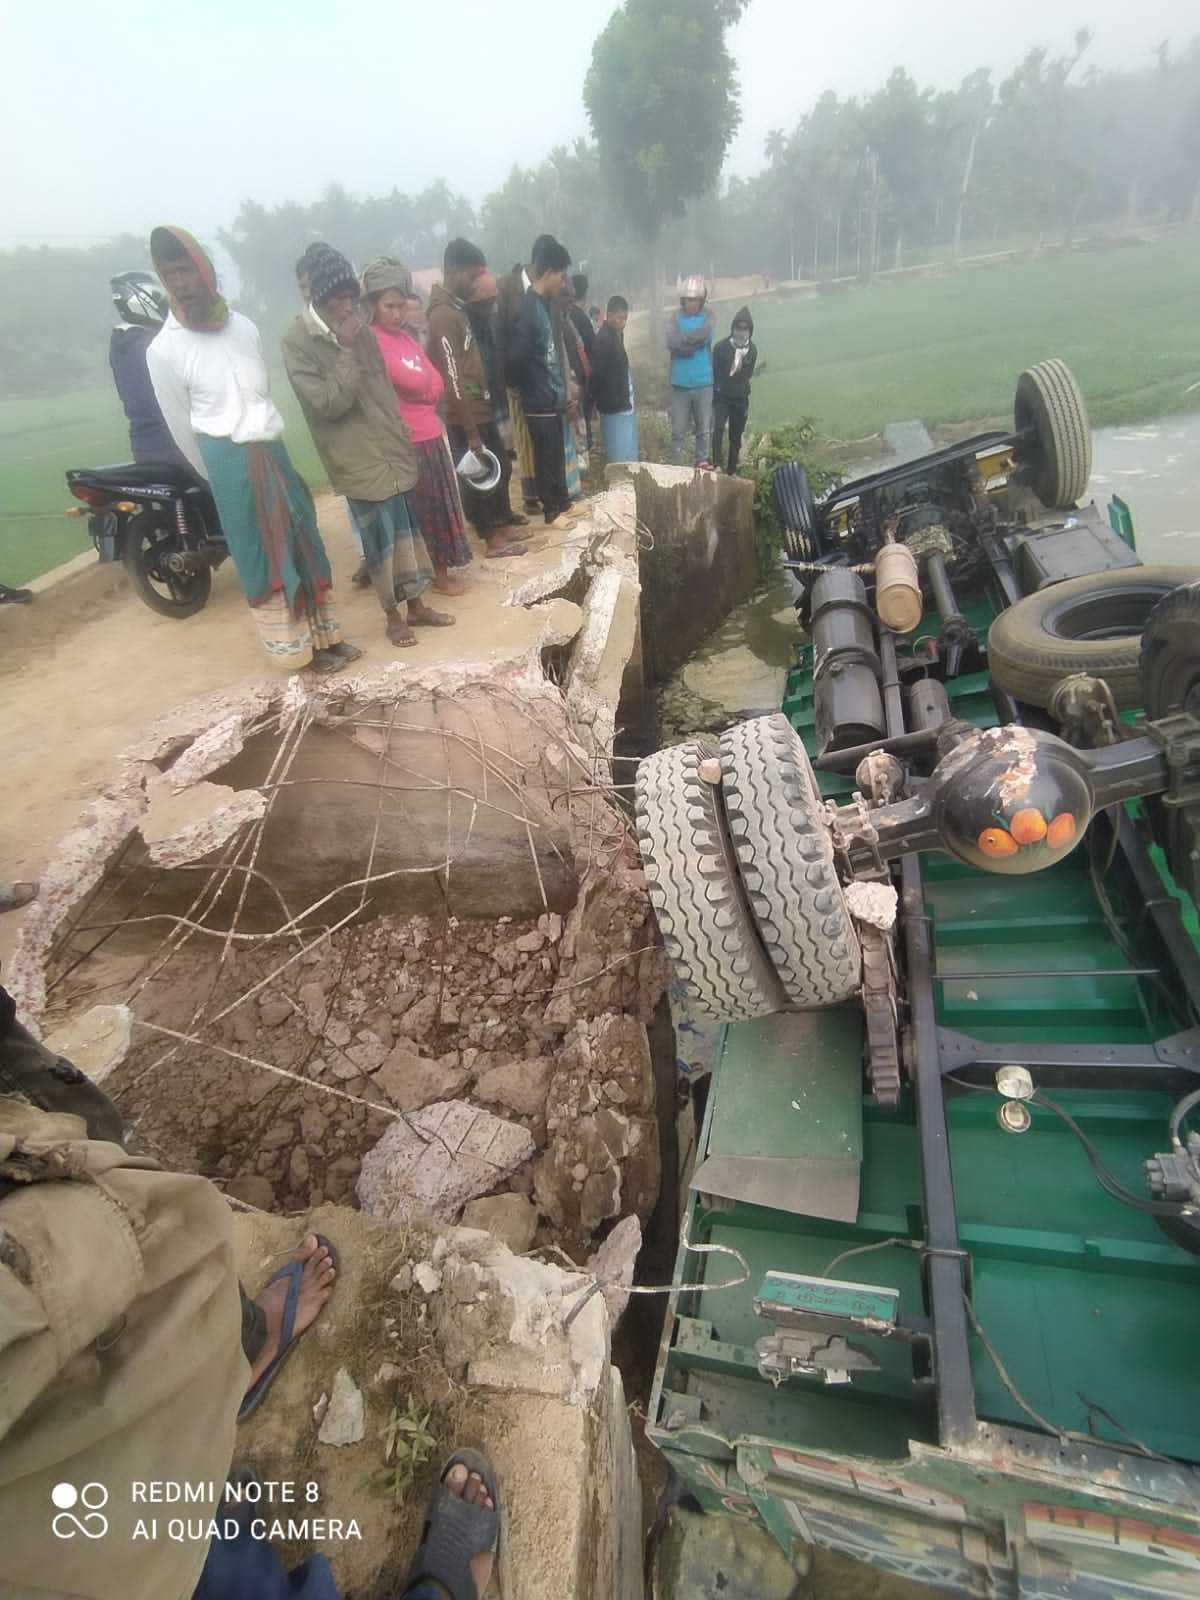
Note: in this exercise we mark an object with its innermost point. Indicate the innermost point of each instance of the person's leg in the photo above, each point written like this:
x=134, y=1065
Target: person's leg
x=703, y=411
x=737, y=427
x=466, y=1520
x=262, y=1318
x=549, y=464
x=721, y=415
x=681, y=410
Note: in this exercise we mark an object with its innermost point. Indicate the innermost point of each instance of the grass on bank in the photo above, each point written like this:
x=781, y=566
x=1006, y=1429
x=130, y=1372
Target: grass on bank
x=942, y=349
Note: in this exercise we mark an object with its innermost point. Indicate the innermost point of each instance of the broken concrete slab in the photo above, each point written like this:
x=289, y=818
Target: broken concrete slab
x=704, y=561
x=95, y=1042
x=189, y=824
x=438, y=1159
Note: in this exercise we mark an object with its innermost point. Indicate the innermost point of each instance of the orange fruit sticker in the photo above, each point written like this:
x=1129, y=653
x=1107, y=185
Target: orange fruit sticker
x=1061, y=831
x=995, y=842
x=1028, y=826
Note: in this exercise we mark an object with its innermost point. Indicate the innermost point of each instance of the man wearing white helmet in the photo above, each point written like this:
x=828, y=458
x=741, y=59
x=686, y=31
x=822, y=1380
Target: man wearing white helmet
x=141, y=304
x=689, y=339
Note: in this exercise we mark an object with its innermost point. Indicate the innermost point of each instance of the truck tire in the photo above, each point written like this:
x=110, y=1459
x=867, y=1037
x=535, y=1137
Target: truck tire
x=1049, y=401
x=796, y=508
x=692, y=880
x=1170, y=655
x=1092, y=624
x=785, y=855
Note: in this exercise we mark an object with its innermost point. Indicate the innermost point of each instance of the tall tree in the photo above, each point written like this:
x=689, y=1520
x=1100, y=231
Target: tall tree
x=662, y=98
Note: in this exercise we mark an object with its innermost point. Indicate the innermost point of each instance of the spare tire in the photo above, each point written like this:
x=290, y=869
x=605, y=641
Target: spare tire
x=1050, y=402
x=1092, y=624
x=796, y=508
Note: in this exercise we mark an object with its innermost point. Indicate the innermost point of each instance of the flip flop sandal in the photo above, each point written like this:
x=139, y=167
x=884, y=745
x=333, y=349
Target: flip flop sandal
x=500, y=552
x=517, y=521
x=362, y=578
x=293, y=1271
x=402, y=636
x=432, y=619
x=455, y=1531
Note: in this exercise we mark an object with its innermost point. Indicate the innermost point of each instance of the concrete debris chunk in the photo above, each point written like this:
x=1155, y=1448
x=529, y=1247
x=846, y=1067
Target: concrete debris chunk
x=511, y=1218
x=520, y=1086
x=612, y=1265
x=95, y=1042
x=438, y=1159
x=411, y=1081
x=345, y=1417
x=872, y=903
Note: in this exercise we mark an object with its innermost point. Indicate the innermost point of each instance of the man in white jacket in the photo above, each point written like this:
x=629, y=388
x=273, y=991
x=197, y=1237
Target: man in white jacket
x=211, y=382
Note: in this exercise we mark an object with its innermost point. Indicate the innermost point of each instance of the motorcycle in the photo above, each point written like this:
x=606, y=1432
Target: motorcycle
x=161, y=522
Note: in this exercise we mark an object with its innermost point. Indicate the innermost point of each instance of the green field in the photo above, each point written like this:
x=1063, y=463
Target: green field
x=40, y=439
x=944, y=349
x=948, y=349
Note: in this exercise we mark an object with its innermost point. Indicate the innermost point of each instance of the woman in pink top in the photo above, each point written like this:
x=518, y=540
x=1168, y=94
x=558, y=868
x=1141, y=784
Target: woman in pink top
x=436, y=501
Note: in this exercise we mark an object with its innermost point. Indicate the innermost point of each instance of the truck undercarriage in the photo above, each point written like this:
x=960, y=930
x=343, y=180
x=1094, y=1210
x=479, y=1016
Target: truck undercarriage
x=938, y=1282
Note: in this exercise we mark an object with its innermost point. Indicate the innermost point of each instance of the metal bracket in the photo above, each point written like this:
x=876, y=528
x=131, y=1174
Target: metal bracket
x=1179, y=737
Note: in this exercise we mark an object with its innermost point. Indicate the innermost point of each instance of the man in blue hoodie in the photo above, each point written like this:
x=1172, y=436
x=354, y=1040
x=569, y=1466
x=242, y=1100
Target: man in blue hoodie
x=689, y=339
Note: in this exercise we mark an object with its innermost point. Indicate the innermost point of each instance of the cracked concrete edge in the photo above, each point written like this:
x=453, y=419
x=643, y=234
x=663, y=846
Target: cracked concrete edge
x=193, y=740
x=610, y=538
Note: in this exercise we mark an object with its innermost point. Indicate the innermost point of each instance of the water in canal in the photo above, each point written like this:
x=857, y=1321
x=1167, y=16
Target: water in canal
x=740, y=669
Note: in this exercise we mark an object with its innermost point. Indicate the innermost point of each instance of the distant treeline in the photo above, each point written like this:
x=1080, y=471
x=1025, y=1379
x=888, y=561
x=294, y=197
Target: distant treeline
x=855, y=186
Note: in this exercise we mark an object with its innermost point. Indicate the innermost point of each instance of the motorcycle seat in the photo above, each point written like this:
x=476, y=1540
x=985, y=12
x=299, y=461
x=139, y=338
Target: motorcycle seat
x=139, y=474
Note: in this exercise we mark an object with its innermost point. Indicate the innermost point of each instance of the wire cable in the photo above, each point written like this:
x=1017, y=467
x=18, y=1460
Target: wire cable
x=1154, y=1208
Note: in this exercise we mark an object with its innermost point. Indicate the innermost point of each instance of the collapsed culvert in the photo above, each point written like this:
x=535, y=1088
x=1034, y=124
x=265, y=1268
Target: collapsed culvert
x=383, y=949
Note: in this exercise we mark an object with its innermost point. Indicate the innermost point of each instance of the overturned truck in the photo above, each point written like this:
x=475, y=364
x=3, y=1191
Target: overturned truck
x=939, y=1280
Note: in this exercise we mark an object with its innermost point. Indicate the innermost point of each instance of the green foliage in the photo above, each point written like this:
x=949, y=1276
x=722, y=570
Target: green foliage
x=761, y=454
x=661, y=95
x=407, y=1445
x=654, y=435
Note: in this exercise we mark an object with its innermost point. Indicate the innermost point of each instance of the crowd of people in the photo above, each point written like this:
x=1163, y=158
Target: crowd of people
x=419, y=413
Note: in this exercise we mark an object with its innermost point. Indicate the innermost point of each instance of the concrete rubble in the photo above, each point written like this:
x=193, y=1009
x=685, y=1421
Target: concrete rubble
x=439, y=1159
x=95, y=1041
x=386, y=944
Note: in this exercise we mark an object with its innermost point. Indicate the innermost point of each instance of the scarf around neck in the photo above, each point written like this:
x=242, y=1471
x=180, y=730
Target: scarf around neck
x=218, y=311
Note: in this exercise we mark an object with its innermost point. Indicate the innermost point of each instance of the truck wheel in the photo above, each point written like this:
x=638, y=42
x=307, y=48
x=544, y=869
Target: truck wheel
x=692, y=880
x=796, y=508
x=1170, y=657
x=1050, y=402
x=1092, y=624
x=786, y=858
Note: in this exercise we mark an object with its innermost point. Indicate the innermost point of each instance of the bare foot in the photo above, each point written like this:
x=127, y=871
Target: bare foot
x=399, y=633
x=316, y=1285
x=426, y=617
x=563, y=520
x=445, y=583
x=15, y=895
x=471, y=1488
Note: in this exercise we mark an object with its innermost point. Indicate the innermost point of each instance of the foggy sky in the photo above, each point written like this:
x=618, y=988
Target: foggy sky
x=119, y=116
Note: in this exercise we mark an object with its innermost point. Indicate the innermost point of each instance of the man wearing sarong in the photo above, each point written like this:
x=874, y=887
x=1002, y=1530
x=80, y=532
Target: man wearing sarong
x=211, y=382
x=342, y=384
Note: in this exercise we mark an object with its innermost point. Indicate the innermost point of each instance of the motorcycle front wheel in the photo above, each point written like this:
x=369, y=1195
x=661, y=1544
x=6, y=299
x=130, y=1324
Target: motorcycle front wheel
x=172, y=594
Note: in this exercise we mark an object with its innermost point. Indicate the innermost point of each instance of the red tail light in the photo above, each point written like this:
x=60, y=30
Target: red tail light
x=89, y=495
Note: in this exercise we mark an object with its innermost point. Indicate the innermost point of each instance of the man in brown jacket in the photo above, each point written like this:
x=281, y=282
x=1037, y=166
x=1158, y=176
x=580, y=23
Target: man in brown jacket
x=349, y=404
x=470, y=409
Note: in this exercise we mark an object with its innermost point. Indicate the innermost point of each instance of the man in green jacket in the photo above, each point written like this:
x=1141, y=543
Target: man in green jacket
x=336, y=369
